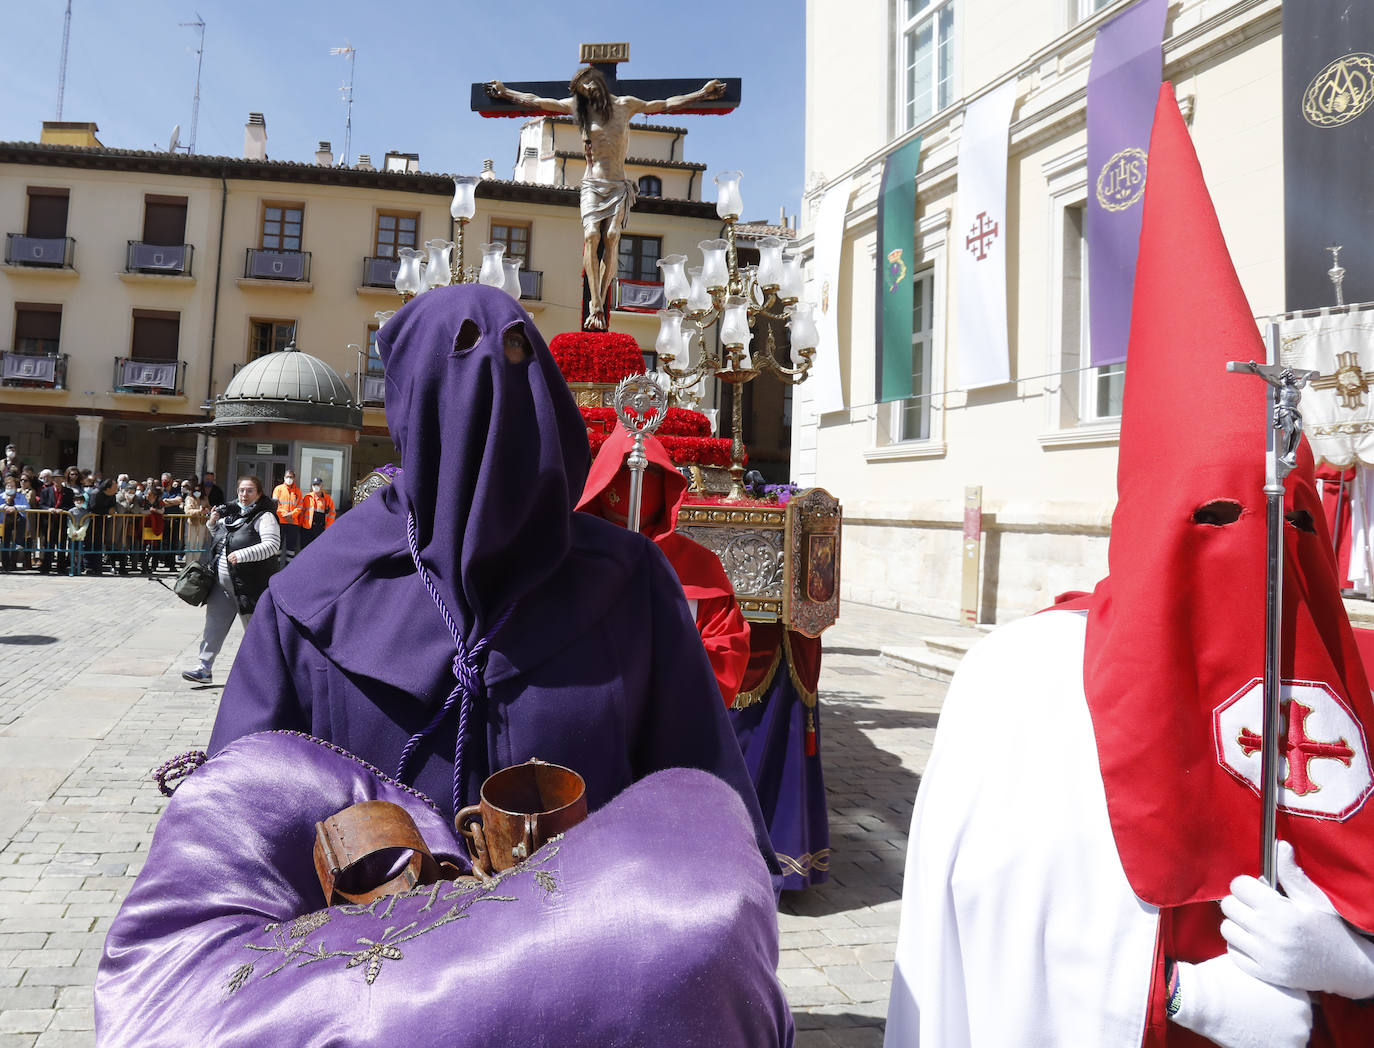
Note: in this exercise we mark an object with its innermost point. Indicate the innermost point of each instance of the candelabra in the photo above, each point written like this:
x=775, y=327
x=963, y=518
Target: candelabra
x=446, y=263
x=735, y=300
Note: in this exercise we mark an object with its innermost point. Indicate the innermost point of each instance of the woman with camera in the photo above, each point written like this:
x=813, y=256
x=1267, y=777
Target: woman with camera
x=246, y=539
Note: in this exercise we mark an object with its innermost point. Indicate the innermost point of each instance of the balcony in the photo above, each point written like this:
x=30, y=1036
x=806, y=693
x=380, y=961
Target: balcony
x=29, y=368
x=165, y=378
x=159, y=259
x=380, y=272
x=638, y=296
x=531, y=285
x=373, y=391
x=288, y=267
x=39, y=252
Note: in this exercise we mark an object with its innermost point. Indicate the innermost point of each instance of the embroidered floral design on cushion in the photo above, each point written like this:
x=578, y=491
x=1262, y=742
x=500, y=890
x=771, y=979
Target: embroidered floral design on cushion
x=305, y=940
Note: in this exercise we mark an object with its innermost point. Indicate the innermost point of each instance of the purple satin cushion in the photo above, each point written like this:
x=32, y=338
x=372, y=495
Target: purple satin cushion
x=652, y=922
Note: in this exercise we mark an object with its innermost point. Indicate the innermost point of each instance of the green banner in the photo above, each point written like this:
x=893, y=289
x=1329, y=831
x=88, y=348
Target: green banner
x=896, y=254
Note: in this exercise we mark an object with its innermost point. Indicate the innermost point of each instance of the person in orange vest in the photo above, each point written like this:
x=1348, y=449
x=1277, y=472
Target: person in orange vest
x=288, y=497
x=317, y=512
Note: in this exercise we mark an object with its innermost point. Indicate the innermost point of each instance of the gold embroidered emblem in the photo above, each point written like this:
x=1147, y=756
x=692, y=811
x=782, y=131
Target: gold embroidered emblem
x=1341, y=92
x=1350, y=381
x=1121, y=182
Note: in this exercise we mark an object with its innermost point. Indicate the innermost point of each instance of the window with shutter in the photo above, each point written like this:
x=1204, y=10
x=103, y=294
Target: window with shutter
x=47, y=212
x=164, y=220
x=156, y=333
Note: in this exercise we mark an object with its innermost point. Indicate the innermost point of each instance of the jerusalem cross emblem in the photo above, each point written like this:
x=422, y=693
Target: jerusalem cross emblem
x=981, y=236
x=1321, y=740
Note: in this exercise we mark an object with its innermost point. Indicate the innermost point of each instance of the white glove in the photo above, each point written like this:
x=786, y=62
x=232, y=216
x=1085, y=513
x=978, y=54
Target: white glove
x=1221, y=1002
x=1299, y=940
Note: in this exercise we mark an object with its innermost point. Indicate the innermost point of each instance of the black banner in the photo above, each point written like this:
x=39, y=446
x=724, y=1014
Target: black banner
x=1328, y=149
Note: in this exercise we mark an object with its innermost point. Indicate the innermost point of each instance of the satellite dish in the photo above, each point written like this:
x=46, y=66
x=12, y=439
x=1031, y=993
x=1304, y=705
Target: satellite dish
x=175, y=140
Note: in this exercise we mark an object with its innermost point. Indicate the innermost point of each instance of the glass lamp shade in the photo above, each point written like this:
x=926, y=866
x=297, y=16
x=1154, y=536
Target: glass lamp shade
x=684, y=359
x=734, y=322
x=409, y=280
x=714, y=273
x=669, y=341
x=382, y=316
x=729, y=205
x=464, y=204
x=512, y=284
x=801, y=326
x=493, y=271
x=675, y=285
x=791, y=287
x=698, y=299
x=437, y=269
x=770, y=263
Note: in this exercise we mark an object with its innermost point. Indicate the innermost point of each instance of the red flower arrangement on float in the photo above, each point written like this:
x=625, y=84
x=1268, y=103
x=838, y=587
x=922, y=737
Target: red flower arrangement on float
x=596, y=356
x=684, y=451
x=679, y=422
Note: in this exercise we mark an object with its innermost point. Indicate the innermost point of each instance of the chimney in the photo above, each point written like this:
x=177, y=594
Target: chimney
x=69, y=133
x=255, y=138
x=487, y=173
x=364, y=162
x=324, y=156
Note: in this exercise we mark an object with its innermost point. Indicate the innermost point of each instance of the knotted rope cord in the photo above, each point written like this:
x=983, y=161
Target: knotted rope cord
x=467, y=668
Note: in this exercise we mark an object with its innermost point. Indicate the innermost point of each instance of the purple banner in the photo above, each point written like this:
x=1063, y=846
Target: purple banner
x=1123, y=87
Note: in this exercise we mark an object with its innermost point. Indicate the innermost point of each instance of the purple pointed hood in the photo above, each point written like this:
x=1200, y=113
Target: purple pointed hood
x=494, y=456
x=493, y=452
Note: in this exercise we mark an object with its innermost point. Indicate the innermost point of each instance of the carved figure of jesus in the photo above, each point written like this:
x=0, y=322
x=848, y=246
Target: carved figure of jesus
x=607, y=195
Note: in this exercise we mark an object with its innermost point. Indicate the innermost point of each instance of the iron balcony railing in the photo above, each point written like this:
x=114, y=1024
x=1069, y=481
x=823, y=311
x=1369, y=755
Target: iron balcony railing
x=380, y=272
x=48, y=252
x=262, y=264
x=532, y=284
x=172, y=259
x=26, y=368
x=152, y=377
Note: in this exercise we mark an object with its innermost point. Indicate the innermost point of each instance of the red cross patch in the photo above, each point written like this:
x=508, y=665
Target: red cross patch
x=1324, y=754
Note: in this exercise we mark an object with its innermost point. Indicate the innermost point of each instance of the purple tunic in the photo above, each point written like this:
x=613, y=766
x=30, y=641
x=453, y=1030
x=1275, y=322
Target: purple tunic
x=599, y=665
x=624, y=931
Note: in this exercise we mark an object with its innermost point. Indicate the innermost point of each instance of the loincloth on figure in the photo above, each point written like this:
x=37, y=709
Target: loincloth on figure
x=606, y=198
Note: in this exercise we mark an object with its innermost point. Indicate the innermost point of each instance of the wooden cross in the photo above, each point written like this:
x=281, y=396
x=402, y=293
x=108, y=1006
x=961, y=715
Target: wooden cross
x=1350, y=381
x=606, y=57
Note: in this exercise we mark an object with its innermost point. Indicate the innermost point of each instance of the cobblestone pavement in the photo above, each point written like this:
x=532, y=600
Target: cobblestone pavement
x=92, y=699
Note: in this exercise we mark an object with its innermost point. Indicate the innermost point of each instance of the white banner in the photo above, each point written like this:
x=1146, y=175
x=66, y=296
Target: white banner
x=980, y=238
x=143, y=375
x=32, y=369
x=827, y=390
x=1338, y=407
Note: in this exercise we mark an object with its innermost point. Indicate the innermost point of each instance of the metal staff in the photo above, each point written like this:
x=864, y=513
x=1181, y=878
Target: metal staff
x=1283, y=395
x=640, y=403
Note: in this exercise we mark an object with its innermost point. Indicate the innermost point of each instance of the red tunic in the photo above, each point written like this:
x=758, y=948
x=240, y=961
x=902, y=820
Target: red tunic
x=724, y=631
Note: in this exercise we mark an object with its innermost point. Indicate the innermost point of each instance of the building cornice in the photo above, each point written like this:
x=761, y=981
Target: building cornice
x=434, y=184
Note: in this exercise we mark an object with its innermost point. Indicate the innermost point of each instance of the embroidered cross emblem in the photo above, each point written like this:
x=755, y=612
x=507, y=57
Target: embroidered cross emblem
x=1301, y=750
x=981, y=235
x=1350, y=381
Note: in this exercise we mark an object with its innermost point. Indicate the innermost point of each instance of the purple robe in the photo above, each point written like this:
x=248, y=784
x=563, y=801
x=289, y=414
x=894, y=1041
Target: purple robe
x=652, y=922
x=598, y=667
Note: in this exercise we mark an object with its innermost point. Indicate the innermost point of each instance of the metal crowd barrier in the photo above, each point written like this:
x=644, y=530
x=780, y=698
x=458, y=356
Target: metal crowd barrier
x=41, y=540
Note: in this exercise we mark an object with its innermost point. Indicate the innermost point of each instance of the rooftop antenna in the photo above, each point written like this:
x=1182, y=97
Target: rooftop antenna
x=62, y=71
x=347, y=91
x=199, y=23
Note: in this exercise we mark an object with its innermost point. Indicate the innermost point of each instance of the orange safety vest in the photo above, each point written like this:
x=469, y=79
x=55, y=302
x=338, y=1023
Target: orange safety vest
x=318, y=503
x=288, y=503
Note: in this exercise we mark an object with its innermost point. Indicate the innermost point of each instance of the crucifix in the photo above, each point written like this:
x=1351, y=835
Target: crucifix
x=603, y=106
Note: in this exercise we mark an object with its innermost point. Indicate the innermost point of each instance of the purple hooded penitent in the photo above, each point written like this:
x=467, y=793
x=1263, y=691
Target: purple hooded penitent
x=598, y=666
x=652, y=922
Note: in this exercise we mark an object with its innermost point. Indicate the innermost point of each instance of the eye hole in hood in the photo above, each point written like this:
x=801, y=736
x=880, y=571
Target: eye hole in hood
x=469, y=335
x=1302, y=520
x=1217, y=513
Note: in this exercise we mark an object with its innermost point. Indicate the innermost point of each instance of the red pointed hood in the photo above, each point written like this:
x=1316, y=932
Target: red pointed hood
x=1174, y=656
x=698, y=569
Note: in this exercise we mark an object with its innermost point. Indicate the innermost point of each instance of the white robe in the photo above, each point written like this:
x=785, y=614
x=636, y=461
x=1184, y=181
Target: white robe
x=1018, y=925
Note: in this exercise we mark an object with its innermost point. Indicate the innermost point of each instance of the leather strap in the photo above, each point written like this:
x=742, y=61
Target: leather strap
x=349, y=836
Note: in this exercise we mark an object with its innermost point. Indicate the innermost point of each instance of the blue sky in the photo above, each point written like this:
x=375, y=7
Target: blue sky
x=131, y=68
